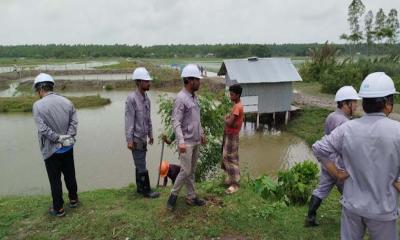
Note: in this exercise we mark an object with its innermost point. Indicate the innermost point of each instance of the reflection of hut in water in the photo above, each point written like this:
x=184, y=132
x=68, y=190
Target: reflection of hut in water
x=266, y=82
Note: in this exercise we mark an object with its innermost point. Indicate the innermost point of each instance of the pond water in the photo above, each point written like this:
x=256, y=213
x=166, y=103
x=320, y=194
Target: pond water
x=102, y=159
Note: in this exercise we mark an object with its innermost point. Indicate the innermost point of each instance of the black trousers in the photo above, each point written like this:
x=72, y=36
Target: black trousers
x=55, y=165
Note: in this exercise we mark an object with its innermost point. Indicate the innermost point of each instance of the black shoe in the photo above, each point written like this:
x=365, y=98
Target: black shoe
x=59, y=213
x=73, y=203
x=146, y=190
x=171, y=202
x=195, y=202
x=151, y=194
x=310, y=221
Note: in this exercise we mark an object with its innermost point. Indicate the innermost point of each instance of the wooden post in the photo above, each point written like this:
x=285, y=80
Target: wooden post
x=287, y=116
x=273, y=118
x=258, y=120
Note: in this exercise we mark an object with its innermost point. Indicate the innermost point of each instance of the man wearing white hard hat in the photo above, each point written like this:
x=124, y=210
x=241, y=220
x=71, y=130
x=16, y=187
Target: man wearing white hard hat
x=346, y=98
x=139, y=129
x=370, y=149
x=56, y=120
x=189, y=134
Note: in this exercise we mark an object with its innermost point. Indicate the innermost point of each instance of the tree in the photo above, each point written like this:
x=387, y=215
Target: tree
x=380, y=22
x=369, y=33
x=392, y=25
x=356, y=10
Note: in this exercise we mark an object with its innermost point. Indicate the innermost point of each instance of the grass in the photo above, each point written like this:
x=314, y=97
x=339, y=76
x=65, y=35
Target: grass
x=309, y=123
x=312, y=89
x=25, y=103
x=121, y=213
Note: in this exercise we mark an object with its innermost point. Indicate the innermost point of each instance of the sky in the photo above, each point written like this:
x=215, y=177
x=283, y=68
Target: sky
x=153, y=22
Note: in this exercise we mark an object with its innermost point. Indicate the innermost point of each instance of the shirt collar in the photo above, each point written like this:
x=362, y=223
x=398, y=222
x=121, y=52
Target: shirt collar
x=143, y=97
x=340, y=111
x=376, y=114
x=188, y=93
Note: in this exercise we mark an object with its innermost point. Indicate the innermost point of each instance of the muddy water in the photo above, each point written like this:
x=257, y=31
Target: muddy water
x=59, y=67
x=102, y=159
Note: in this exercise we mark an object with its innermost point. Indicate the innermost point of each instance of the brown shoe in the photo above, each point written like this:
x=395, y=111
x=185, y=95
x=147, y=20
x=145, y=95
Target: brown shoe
x=195, y=202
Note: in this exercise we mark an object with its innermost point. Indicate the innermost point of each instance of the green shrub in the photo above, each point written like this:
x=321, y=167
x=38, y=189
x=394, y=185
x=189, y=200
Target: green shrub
x=293, y=186
x=108, y=87
x=338, y=76
x=297, y=183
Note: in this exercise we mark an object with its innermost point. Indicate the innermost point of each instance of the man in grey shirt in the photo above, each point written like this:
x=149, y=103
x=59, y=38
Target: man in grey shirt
x=138, y=128
x=346, y=98
x=370, y=149
x=189, y=135
x=56, y=120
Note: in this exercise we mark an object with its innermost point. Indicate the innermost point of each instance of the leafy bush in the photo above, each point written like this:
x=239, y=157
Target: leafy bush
x=338, y=76
x=293, y=186
x=212, y=111
x=297, y=183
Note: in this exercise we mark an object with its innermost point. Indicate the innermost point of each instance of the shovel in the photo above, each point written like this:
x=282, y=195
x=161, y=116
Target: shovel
x=159, y=166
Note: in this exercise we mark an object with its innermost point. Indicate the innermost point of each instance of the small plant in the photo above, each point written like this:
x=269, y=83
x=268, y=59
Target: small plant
x=108, y=87
x=293, y=186
x=266, y=187
x=297, y=183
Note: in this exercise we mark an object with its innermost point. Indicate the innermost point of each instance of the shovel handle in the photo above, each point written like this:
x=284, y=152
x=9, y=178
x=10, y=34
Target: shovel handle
x=159, y=166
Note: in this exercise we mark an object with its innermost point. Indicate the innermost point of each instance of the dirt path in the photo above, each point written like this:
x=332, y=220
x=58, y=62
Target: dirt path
x=309, y=100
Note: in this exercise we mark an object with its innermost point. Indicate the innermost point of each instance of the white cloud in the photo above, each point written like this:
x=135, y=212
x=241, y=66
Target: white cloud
x=149, y=22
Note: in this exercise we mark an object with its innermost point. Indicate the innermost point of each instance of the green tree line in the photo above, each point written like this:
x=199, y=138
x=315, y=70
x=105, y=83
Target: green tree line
x=183, y=50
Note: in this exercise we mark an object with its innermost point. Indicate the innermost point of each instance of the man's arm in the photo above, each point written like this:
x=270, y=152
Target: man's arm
x=73, y=123
x=150, y=134
x=329, y=145
x=177, y=117
x=129, y=121
x=43, y=129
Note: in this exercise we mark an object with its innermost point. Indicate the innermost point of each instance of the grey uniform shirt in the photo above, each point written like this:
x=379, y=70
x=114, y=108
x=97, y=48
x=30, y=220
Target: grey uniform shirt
x=335, y=119
x=138, y=124
x=370, y=148
x=186, y=118
x=54, y=115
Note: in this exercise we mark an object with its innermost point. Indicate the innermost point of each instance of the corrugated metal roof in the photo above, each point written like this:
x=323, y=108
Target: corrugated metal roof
x=260, y=70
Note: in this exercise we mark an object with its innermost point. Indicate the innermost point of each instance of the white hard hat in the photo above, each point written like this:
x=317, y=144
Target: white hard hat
x=191, y=70
x=42, y=77
x=141, y=73
x=377, y=85
x=346, y=93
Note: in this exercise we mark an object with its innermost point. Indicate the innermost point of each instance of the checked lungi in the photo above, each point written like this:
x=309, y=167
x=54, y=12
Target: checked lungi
x=230, y=157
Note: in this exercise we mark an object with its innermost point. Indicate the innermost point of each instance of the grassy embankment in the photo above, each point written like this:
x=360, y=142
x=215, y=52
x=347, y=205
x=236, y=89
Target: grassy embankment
x=120, y=213
x=24, y=103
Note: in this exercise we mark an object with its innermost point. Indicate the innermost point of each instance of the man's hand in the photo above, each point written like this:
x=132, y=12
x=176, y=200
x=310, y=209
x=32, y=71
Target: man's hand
x=182, y=148
x=341, y=175
x=396, y=184
x=131, y=145
x=151, y=141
